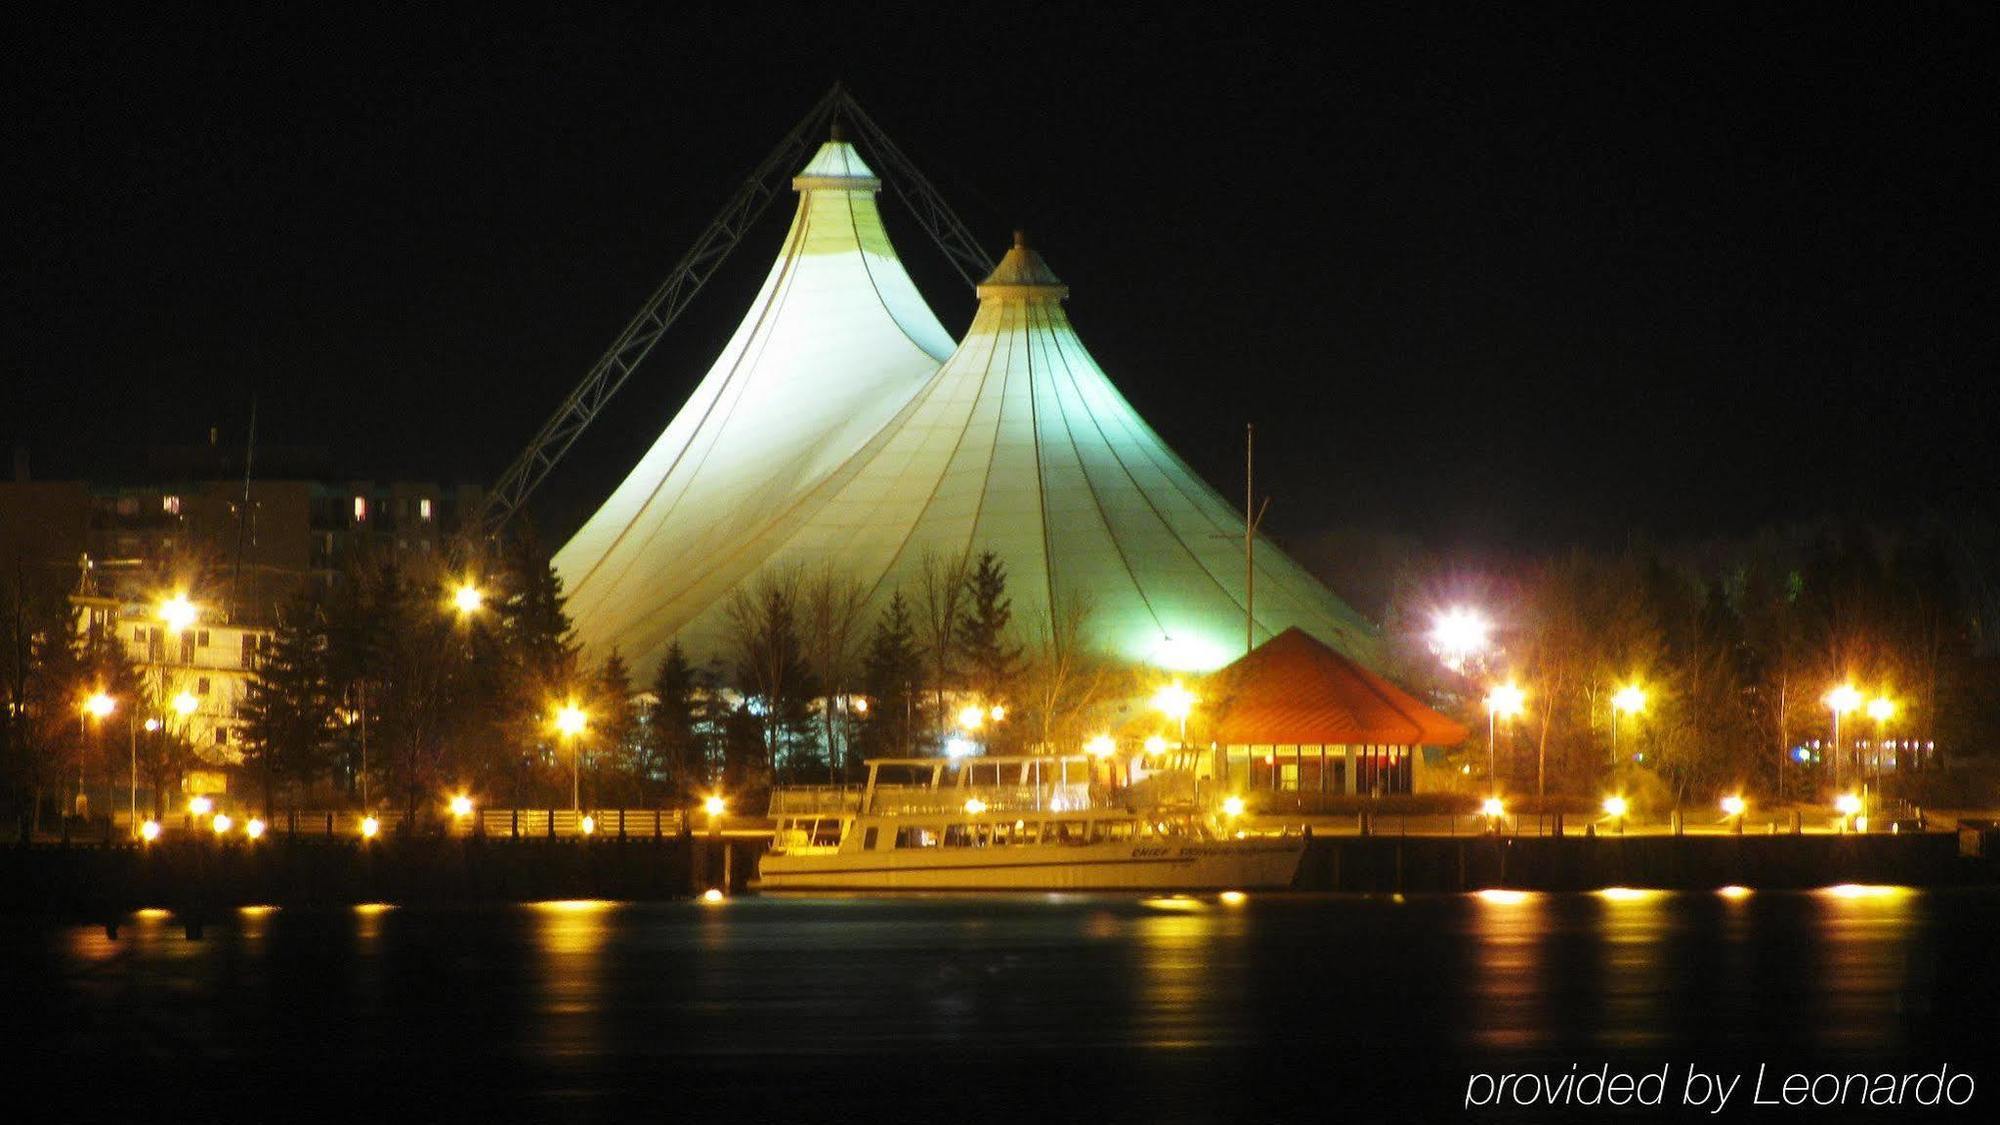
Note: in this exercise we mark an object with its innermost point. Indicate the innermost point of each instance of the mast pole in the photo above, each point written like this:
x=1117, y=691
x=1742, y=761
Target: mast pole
x=1249, y=537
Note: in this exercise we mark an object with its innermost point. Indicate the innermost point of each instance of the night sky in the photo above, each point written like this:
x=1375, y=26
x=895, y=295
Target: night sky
x=1485, y=276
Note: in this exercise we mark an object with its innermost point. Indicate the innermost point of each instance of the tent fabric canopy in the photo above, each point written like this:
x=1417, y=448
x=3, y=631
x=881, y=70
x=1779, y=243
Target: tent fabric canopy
x=836, y=341
x=1021, y=445
x=1294, y=690
x=840, y=432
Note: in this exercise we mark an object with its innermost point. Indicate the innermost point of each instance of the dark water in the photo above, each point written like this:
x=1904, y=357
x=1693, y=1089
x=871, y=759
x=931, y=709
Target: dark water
x=1028, y=1009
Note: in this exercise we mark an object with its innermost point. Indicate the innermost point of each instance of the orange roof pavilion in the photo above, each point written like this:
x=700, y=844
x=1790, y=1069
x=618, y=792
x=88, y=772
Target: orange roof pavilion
x=1294, y=690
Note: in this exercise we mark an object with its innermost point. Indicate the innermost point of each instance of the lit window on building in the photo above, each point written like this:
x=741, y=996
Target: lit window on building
x=360, y=508
x=424, y=510
x=222, y=736
x=201, y=638
x=170, y=505
x=201, y=686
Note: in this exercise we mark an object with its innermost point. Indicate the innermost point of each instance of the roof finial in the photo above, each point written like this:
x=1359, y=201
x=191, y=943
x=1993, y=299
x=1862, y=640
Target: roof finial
x=834, y=133
x=1020, y=239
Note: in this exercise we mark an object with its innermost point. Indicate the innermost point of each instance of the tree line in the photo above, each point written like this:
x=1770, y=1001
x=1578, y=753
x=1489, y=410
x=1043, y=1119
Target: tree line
x=385, y=690
x=1735, y=652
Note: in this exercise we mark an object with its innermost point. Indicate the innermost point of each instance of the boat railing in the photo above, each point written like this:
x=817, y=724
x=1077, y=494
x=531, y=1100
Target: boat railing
x=924, y=800
x=815, y=800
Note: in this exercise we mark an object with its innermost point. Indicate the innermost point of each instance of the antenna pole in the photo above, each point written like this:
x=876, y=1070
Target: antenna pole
x=1249, y=537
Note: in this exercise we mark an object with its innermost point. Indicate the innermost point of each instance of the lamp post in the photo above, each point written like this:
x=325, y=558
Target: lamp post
x=1503, y=702
x=1628, y=700
x=1881, y=709
x=1175, y=702
x=570, y=723
x=1840, y=701
x=1458, y=634
x=96, y=709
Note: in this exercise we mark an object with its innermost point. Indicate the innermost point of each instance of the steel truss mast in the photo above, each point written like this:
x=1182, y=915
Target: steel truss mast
x=722, y=235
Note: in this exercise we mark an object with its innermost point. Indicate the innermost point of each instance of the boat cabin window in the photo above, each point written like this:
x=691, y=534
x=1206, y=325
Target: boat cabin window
x=916, y=838
x=968, y=835
x=1067, y=832
x=1019, y=832
x=868, y=839
x=1116, y=830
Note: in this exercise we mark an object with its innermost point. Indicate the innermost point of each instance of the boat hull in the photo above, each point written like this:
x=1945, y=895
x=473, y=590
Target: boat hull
x=1190, y=866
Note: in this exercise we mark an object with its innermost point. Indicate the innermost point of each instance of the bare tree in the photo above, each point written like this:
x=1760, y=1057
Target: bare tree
x=830, y=605
x=1064, y=679
x=763, y=637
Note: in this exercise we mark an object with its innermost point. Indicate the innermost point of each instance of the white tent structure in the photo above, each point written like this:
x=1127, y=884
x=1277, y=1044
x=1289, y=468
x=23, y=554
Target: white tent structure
x=836, y=342
x=1020, y=445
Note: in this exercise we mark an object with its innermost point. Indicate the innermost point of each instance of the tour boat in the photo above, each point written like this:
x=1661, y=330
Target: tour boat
x=1036, y=823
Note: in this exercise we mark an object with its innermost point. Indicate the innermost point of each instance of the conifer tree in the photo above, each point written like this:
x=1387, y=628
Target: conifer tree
x=892, y=674
x=989, y=658
x=676, y=749
x=288, y=706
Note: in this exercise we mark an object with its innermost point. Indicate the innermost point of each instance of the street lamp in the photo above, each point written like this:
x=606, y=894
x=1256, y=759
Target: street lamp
x=1881, y=709
x=1101, y=747
x=96, y=707
x=178, y=613
x=186, y=704
x=1503, y=702
x=1459, y=633
x=461, y=806
x=1175, y=702
x=468, y=598
x=1840, y=701
x=1628, y=700
x=1616, y=808
x=570, y=723
x=971, y=718
x=1848, y=805
x=1734, y=806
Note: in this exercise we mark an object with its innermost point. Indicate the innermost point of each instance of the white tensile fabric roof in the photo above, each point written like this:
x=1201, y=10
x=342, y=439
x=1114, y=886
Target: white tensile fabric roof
x=1020, y=445
x=836, y=342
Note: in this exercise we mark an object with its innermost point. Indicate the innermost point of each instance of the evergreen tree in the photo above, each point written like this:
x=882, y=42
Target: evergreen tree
x=288, y=706
x=613, y=753
x=988, y=657
x=892, y=673
x=676, y=747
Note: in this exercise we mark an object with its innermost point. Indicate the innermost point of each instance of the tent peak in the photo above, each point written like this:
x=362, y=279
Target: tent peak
x=836, y=167
x=1022, y=275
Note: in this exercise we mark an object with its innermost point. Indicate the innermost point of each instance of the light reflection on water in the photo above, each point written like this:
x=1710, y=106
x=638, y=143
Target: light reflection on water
x=1389, y=993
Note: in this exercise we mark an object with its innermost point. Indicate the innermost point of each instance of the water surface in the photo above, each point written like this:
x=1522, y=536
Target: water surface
x=1117, y=1008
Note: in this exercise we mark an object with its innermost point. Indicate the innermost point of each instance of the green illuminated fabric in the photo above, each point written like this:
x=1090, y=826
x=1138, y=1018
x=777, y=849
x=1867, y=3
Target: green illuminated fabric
x=836, y=342
x=1019, y=444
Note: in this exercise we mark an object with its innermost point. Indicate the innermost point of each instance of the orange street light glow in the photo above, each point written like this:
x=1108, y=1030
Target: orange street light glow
x=178, y=613
x=1506, y=700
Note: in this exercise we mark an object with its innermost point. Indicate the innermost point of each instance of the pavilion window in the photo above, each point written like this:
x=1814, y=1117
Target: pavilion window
x=1288, y=768
x=1311, y=768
